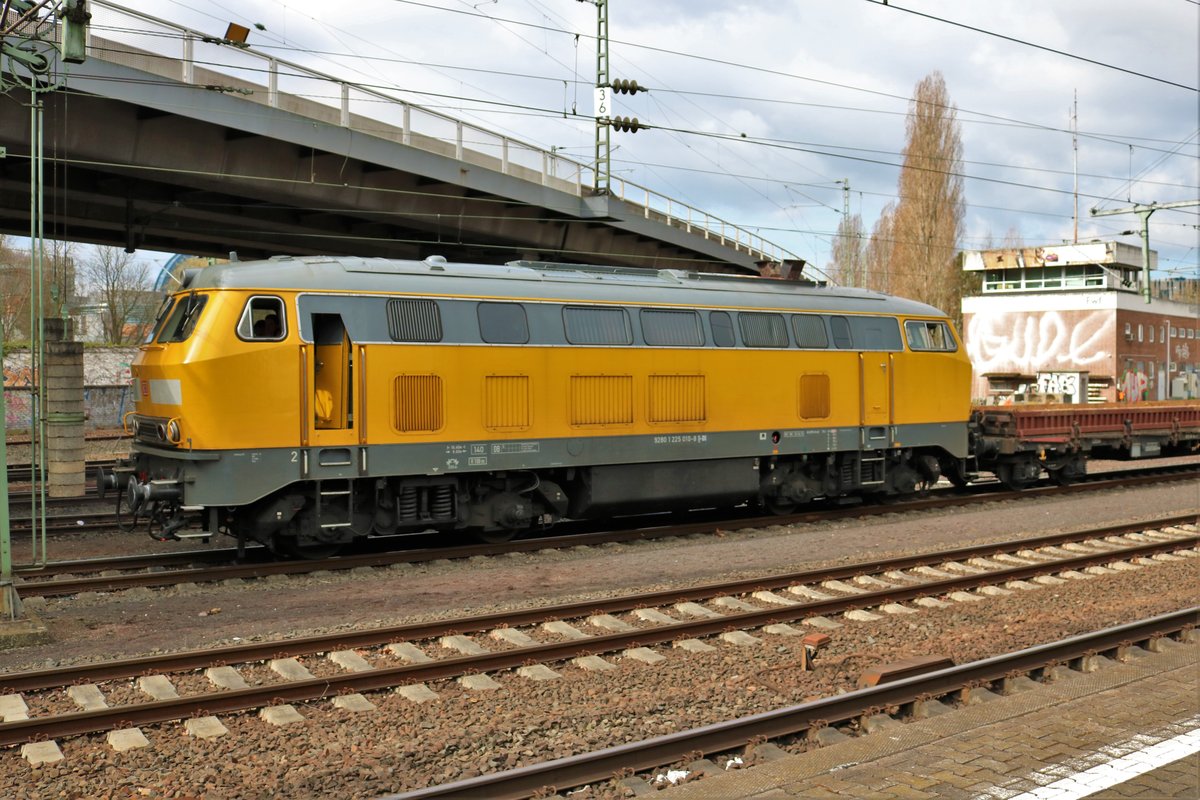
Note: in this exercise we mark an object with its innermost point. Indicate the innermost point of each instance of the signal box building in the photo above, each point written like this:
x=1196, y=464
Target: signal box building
x=1070, y=322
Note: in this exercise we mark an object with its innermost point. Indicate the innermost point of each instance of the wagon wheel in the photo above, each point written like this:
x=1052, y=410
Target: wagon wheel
x=1061, y=476
x=1007, y=474
x=952, y=469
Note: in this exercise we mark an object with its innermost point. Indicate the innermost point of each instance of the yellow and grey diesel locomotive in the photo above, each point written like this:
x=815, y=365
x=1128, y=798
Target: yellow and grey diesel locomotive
x=304, y=402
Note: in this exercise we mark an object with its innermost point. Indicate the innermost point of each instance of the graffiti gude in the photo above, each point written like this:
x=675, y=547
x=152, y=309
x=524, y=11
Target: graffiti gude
x=1043, y=341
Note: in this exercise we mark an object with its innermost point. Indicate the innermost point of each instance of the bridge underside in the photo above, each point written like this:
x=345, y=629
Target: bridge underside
x=183, y=169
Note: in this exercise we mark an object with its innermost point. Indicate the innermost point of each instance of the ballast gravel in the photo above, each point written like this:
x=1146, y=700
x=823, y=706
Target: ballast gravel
x=405, y=745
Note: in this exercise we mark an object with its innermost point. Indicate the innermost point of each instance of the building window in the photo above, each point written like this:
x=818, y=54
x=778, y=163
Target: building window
x=1140, y=331
x=1151, y=340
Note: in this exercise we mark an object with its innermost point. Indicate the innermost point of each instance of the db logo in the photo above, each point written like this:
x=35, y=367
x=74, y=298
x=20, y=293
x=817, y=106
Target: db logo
x=145, y=388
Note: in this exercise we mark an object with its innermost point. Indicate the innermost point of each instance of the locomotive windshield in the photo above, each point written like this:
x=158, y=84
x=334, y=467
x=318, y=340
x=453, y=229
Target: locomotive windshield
x=183, y=319
x=159, y=319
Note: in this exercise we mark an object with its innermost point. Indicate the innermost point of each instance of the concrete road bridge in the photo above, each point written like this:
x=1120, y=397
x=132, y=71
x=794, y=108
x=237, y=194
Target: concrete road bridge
x=169, y=139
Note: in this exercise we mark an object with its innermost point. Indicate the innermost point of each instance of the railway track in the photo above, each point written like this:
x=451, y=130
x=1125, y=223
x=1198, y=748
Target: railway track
x=65, y=578
x=22, y=473
x=582, y=633
x=953, y=684
x=85, y=521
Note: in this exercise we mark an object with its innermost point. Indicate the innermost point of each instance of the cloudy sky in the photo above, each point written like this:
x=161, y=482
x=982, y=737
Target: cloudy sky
x=818, y=88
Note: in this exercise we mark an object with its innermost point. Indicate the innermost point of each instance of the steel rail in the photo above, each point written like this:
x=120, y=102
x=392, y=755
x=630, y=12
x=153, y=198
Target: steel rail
x=388, y=677
x=42, y=679
x=60, y=588
x=602, y=765
x=942, y=498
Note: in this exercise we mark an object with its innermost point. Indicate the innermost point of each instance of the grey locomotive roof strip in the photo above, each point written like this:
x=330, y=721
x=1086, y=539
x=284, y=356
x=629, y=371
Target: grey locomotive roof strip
x=542, y=282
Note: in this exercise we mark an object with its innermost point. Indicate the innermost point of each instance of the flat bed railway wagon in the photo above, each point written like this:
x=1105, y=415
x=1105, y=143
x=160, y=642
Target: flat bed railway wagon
x=1017, y=442
x=304, y=402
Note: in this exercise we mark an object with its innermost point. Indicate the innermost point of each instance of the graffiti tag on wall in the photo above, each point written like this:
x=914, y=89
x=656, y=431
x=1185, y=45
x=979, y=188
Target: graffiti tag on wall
x=1041, y=341
x=1058, y=383
x=18, y=376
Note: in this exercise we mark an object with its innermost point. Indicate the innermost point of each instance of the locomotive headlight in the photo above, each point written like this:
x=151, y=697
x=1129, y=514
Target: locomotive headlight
x=173, y=431
x=133, y=426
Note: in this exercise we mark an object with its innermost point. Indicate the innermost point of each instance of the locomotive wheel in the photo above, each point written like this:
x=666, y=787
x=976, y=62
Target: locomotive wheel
x=779, y=506
x=496, y=537
x=288, y=547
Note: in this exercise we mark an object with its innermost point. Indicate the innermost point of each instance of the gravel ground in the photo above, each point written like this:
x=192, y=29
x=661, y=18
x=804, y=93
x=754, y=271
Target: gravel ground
x=404, y=745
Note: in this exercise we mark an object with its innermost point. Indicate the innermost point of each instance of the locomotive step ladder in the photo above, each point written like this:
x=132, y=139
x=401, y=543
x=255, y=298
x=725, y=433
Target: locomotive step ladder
x=331, y=512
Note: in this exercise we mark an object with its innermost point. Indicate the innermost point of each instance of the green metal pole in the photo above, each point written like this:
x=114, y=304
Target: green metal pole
x=10, y=601
x=38, y=522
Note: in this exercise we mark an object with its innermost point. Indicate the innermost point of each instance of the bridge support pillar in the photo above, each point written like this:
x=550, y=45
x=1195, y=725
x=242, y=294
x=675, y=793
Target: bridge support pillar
x=65, y=468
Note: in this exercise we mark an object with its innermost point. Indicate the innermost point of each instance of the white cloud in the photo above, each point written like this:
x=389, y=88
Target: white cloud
x=855, y=58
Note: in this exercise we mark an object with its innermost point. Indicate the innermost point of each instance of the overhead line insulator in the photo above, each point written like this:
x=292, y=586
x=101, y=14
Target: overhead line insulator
x=621, y=86
x=627, y=124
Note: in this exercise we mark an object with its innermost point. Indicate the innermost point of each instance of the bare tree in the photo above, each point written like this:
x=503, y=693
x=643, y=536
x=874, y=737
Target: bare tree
x=14, y=291
x=849, y=258
x=928, y=223
x=58, y=278
x=119, y=284
x=879, y=250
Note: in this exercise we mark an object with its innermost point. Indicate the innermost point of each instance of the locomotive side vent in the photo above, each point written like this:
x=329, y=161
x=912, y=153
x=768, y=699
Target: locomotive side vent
x=506, y=402
x=677, y=398
x=418, y=403
x=601, y=399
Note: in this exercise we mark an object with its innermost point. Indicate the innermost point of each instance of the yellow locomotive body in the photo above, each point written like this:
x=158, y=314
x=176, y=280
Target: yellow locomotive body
x=312, y=400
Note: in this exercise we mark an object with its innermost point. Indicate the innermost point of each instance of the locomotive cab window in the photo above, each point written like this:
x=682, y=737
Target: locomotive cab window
x=263, y=320
x=159, y=319
x=183, y=319
x=929, y=336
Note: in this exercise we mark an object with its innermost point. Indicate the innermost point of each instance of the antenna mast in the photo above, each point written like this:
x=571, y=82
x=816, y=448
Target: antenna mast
x=1075, y=161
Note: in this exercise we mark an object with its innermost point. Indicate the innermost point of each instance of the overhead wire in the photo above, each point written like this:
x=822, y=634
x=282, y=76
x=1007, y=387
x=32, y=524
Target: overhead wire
x=511, y=108
x=1027, y=43
x=818, y=148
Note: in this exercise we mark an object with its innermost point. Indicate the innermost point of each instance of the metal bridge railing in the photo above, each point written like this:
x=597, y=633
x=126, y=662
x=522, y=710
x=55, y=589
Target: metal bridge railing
x=130, y=38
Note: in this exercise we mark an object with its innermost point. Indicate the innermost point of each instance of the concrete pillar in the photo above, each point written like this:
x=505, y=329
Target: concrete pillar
x=66, y=473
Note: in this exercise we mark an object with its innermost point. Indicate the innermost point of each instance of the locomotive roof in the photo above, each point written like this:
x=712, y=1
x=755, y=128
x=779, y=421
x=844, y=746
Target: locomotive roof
x=543, y=281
